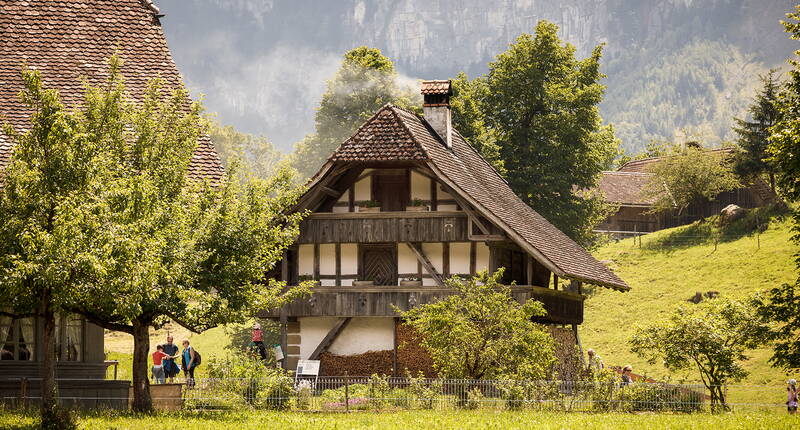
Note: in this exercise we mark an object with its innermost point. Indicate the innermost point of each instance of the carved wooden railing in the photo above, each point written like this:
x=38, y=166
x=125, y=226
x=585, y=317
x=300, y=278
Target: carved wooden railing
x=562, y=307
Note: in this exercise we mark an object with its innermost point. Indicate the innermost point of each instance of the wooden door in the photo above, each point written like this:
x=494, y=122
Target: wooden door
x=379, y=264
x=391, y=190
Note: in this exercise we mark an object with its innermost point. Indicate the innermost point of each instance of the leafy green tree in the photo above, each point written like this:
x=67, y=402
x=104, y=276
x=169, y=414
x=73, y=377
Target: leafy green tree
x=469, y=119
x=256, y=153
x=752, y=158
x=365, y=82
x=711, y=336
x=782, y=303
x=101, y=218
x=541, y=104
x=688, y=175
x=481, y=331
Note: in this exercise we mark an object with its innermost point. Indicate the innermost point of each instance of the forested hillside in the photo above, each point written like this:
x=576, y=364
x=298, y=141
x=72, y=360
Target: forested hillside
x=671, y=64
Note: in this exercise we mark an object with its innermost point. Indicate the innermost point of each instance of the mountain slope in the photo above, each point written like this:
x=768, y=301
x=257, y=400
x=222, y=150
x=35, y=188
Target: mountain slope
x=669, y=268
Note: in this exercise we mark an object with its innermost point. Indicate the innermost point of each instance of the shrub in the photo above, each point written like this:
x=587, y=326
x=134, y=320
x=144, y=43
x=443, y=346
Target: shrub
x=474, y=398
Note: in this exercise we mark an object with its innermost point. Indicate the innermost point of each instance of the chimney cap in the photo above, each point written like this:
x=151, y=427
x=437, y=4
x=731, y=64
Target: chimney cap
x=436, y=88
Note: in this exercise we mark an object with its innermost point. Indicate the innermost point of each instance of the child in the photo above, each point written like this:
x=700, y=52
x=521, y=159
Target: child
x=791, y=394
x=158, y=368
x=258, y=341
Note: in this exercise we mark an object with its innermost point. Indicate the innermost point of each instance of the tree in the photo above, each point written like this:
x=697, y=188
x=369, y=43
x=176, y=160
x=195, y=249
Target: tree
x=688, y=175
x=256, y=153
x=782, y=303
x=711, y=336
x=753, y=158
x=127, y=238
x=365, y=82
x=469, y=119
x=481, y=331
x=541, y=104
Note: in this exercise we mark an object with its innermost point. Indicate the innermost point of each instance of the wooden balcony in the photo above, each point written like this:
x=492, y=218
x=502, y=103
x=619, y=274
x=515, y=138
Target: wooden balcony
x=562, y=307
x=376, y=227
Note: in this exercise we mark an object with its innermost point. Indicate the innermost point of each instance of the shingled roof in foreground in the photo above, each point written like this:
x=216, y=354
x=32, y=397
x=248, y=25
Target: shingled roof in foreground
x=475, y=180
x=71, y=40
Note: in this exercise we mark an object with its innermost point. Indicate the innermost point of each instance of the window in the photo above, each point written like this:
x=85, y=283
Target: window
x=69, y=335
x=18, y=338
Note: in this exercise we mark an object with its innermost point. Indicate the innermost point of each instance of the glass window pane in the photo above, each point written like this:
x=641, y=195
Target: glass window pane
x=27, y=339
x=73, y=341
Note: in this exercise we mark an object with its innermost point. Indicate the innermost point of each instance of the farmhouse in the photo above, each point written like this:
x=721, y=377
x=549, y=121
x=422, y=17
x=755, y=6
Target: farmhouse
x=401, y=205
x=624, y=188
x=69, y=41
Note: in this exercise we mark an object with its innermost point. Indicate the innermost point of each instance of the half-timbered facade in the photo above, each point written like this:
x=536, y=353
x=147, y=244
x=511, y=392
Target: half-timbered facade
x=401, y=205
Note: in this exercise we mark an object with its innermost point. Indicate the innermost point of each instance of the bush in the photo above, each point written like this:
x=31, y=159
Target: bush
x=660, y=397
x=474, y=398
x=58, y=418
x=425, y=394
x=247, y=380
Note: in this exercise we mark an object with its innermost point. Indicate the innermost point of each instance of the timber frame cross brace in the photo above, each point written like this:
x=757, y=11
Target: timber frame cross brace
x=329, y=338
x=426, y=263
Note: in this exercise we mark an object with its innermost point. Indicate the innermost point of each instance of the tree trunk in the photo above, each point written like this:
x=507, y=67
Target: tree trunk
x=141, y=383
x=49, y=388
x=772, y=181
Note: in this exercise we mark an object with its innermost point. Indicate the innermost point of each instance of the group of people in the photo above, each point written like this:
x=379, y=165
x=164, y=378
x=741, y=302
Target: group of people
x=595, y=364
x=165, y=367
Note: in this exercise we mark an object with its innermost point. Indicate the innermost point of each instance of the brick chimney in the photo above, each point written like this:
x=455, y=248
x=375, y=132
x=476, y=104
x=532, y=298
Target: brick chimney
x=436, y=108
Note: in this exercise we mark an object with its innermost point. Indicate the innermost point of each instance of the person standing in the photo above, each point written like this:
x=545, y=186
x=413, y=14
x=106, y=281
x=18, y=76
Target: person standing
x=158, y=367
x=171, y=368
x=594, y=364
x=258, y=341
x=791, y=397
x=188, y=363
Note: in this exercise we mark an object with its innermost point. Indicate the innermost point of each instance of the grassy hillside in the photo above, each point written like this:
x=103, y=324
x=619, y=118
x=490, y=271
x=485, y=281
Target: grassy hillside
x=670, y=267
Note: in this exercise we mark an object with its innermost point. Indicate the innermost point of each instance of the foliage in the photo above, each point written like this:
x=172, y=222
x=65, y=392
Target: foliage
x=365, y=82
x=251, y=381
x=378, y=391
x=468, y=115
x=752, y=157
x=481, y=331
x=712, y=335
x=256, y=153
x=102, y=214
x=686, y=176
x=240, y=337
x=423, y=391
x=785, y=139
x=782, y=307
x=541, y=104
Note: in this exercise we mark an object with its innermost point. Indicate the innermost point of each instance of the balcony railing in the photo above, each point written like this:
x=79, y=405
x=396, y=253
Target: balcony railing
x=374, y=227
x=562, y=307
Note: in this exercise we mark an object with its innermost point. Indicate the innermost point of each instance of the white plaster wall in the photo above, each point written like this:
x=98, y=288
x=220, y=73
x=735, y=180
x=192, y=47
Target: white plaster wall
x=312, y=331
x=363, y=188
x=362, y=335
x=446, y=208
x=459, y=257
x=340, y=209
x=349, y=259
x=420, y=187
x=481, y=256
x=305, y=256
x=442, y=194
x=327, y=282
x=406, y=260
x=345, y=197
x=327, y=259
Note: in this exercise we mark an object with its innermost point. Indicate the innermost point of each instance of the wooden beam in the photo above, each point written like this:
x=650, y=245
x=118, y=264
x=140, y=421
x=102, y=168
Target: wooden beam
x=351, y=198
x=316, y=262
x=284, y=319
x=434, y=198
x=446, y=260
x=329, y=338
x=529, y=269
x=330, y=191
x=285, y=267
x=338, y=264
x=426, y=263
x=473, y=258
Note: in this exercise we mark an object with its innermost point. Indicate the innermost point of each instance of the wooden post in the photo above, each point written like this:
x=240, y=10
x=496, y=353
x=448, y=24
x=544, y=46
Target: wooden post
x=555, y=281
x=23, y=392
x=338, y=264
x=316, y=261
x=284, y=318
x=472, y=258
x=394, y=350
x=351, y=198
x=529, y=269
x=346, y=392
x=434, y=199
x=445, y=260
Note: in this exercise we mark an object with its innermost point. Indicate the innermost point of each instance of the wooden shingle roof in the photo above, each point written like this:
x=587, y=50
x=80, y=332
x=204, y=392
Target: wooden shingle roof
x=70, y=40
x=467, y=173
x=625, y=188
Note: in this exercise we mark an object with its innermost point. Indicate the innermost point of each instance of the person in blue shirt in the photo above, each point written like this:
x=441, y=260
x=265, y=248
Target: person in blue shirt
x=188, y=363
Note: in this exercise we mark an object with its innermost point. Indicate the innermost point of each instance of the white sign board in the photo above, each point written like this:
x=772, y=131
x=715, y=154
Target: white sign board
x=278, y=352
x=308, y=367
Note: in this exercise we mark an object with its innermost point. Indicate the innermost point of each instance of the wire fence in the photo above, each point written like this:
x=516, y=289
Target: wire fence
x=388, y=393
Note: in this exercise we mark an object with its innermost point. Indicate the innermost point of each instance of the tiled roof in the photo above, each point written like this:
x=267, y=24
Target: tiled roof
x=625, y=188
x=381, y=138
x=435, y=87
x=70, y=40
x=482, y=186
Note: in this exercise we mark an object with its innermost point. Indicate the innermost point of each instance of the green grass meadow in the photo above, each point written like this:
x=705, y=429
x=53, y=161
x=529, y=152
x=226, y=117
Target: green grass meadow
x=502, y=420
x=669, y=268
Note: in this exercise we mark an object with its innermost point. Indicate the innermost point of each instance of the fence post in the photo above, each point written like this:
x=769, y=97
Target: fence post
x=346, y=392
x=23, y=392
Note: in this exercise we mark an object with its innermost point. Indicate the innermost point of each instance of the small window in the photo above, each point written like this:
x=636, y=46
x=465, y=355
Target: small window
x=18, y=337
x=69, y=335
